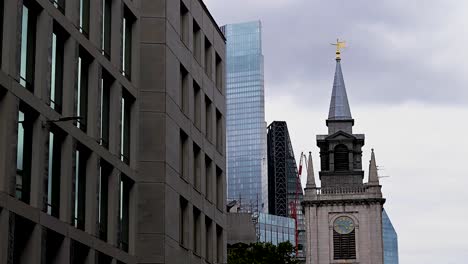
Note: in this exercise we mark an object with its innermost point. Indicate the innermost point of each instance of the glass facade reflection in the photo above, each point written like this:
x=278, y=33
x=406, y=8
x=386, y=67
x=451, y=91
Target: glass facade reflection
x=275, y=229
x=390, y=239
x=246, y=127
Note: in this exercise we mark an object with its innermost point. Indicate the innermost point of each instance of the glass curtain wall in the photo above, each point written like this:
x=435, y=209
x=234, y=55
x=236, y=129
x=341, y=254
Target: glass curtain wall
x=245, y=120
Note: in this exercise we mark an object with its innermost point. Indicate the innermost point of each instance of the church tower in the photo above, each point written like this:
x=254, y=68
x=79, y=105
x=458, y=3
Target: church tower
x=343, y=215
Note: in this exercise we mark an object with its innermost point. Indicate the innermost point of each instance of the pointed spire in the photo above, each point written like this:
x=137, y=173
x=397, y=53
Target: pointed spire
x=339, y=105
x=310, y=173
x=373, y=173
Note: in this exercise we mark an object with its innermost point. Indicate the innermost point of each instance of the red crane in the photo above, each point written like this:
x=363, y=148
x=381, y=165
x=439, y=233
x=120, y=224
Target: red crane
x=293, y=204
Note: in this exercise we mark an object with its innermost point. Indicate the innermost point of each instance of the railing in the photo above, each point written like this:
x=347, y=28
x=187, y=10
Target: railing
x=341, y=190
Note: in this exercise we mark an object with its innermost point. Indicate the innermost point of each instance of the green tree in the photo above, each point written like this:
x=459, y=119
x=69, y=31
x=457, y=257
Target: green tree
x=261, y=253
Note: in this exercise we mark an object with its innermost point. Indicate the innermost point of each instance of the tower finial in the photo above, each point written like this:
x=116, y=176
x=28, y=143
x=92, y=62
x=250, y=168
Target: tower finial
x=310, y=173
x=373, y=171
x=339, y=45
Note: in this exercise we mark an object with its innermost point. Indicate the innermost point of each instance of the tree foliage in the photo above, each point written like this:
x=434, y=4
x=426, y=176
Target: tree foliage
x=261, y=253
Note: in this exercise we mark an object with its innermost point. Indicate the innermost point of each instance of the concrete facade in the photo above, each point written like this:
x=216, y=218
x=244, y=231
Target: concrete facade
x=343, y=215
x=112, y=112
x=240, y=228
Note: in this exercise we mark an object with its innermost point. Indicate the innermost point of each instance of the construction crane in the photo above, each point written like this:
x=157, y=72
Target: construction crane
x=293, y=204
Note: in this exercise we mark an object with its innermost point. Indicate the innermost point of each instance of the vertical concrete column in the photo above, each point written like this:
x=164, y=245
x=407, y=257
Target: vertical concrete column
x=63, y=254
x=115, y=118
x=8, y=138
x=113, y=207
x=94, y=100
x=203, y=178
x=72, y=11
x=212, y=174
x=4, y=233
x=133, y=220
x=203, y=232
x=44, y=28
x=11, y=37
x=116, y=35
x=91, y=258
x=40, y=157
x=70, y=65
x=95, y=22
x=66, y=179
x=92, y=177
x=135, y=63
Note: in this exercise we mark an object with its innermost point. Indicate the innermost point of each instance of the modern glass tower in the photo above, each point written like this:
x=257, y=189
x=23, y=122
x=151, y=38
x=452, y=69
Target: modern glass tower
x=390, y=239
x=246, y=127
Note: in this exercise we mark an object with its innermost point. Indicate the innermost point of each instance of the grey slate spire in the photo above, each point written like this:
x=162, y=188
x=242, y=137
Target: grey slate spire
x=339, y=106
x=310, y=173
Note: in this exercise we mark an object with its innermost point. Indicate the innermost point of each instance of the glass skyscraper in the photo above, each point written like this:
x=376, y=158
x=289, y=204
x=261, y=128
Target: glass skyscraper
x=390, y=240
x=245, y=120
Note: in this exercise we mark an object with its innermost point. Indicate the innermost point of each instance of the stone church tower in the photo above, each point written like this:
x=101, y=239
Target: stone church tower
x=344, y=215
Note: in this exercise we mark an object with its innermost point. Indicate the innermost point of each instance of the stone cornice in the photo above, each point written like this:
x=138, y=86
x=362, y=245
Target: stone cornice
x=359, y=201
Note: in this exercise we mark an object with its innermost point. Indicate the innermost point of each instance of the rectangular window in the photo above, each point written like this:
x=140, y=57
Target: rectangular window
x=20, y=236
x=84, y=17
x=106, y=27
x=219, y=131
x=208, y=58
x=82, y=89
x=183, y=222
x=24, y=155
x=78, y=252
x=102, y=258
x=183, y=154
x=79, y=188
x=197, y=104
x=28, y=46
x=56, y=77
x=106, y=83
x=219, y=188
x=59, y=4
x=208, y=178
x=105, y=171
x=126, y=113
x=184, y=23
x=53, y=176
x=184, y=105
x=127, y=23
x=208, y=240
x=125, y=188
x=219, y=73
x=197, y=166
x=196, y=231
x=219, y=244
x=196, y=41
x=208, y=118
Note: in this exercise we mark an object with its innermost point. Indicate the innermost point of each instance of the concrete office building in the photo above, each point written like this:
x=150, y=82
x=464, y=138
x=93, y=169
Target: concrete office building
x=111, y=132
x=246, y=137
x=390, y=240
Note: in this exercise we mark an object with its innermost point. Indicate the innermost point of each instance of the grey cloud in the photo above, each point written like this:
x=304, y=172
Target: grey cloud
x=395, y=53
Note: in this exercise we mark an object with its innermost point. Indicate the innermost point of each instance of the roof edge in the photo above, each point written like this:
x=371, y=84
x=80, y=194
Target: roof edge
x=212, y=19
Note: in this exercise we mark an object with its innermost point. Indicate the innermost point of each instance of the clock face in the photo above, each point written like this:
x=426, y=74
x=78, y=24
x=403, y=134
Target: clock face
x=343, y=225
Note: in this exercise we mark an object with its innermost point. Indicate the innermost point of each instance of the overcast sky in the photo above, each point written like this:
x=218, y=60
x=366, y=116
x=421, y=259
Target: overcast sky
x=406, y=75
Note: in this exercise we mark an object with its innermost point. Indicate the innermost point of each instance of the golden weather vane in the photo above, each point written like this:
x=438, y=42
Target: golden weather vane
x=339, y=45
